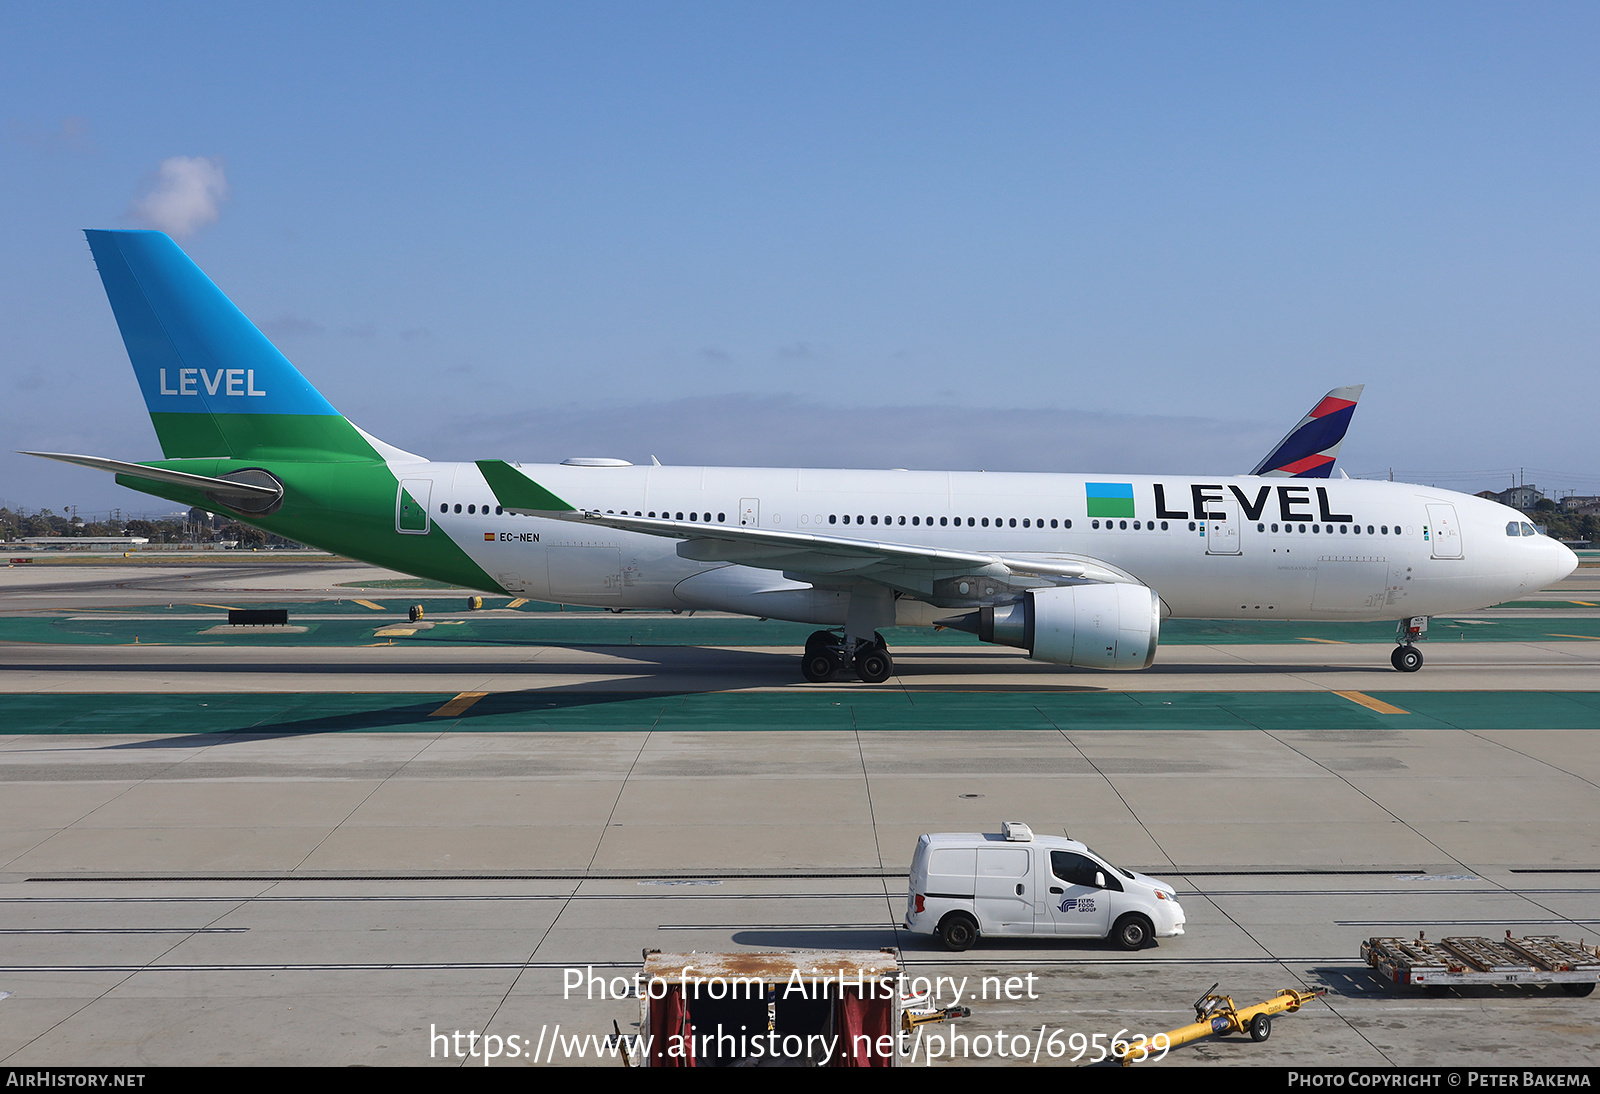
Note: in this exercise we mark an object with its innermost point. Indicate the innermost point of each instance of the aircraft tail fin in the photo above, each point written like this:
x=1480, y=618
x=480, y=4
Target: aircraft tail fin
x=213, y=383
x=1309, y=450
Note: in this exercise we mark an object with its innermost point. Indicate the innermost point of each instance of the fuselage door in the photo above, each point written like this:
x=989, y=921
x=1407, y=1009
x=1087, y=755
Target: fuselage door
x=749, y=512
x=1222, y=536
x=411, y=506
x=1444, y=533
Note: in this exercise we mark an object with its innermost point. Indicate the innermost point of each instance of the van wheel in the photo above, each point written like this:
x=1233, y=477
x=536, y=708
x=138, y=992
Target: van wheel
x=958, y=931
x=1132, y=932
x=1260, y=1027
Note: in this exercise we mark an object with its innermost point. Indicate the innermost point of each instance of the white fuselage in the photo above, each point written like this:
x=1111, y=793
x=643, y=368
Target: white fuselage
x=1212, y=547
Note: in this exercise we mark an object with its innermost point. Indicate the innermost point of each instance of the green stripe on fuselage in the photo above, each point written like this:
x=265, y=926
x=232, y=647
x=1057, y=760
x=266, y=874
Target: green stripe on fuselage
x=514, y=490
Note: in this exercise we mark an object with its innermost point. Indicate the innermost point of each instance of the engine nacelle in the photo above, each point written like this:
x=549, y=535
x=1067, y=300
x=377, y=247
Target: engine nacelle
x=1088, y=626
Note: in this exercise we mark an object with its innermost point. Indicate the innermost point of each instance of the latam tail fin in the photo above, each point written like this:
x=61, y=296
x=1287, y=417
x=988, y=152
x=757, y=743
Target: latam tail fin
x=213, y=383
x=1311, y=447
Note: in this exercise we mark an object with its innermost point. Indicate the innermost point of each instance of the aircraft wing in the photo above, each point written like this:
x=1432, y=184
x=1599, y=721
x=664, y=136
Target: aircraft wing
x=1309, y=449
x=910, y=567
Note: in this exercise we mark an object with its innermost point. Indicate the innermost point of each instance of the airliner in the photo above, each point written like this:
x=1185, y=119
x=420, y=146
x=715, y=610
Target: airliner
x=1076, y=569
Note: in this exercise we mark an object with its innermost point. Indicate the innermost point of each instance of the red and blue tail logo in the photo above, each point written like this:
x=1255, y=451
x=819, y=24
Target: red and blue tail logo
x=1311, y=447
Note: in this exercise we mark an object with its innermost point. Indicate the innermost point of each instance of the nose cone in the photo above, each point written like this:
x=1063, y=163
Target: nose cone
x=1563, y=560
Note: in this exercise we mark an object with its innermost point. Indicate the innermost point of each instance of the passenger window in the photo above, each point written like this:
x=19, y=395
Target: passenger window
x=444, y=507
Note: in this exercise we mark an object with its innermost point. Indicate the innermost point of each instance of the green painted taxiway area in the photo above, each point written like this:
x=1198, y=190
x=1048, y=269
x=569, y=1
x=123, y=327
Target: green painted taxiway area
x=365, y=622
x=887, y=710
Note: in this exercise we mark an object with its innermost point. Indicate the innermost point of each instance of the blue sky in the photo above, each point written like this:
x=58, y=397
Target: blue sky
x=1022, y=237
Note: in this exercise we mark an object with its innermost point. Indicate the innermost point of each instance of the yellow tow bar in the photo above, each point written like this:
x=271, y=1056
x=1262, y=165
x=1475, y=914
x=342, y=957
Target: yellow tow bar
x=1215, y=1016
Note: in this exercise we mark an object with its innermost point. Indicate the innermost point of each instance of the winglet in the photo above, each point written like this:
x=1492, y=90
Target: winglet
x=1311, y=446
x=514, y=490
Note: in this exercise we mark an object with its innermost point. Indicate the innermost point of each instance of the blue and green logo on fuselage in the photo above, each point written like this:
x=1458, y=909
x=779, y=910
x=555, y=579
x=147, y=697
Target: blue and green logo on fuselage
x=1109, y=499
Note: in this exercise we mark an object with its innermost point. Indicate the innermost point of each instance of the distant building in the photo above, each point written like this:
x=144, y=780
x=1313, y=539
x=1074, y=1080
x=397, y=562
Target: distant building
x=1518, y=497
x=1582, y=505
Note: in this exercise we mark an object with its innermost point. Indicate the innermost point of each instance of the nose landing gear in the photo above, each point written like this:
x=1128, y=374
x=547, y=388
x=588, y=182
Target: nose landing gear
x=1406, y=657
x=827, y=654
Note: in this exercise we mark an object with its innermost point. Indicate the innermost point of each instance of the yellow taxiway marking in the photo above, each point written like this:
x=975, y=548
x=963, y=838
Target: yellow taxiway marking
x=1370, y=703
x=394, y=632
x=370, y=604
x=1590, y=637
x=1583, y=604
x=458, y=704
x=224, y=607
x=1326, y=641
x=518, y=602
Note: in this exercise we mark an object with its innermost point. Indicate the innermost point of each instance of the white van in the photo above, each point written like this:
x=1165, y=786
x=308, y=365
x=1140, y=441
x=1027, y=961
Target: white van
x=966, y=884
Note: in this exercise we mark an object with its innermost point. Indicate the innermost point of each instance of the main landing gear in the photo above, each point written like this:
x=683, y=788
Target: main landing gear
x=1406, y=657
x=827, y=654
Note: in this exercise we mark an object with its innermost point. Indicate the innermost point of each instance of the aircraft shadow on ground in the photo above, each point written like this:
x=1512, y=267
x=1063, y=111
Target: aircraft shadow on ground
x=401, y=717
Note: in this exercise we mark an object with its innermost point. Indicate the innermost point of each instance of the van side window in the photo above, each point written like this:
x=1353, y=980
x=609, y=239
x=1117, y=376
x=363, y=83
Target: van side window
x=1075, y=869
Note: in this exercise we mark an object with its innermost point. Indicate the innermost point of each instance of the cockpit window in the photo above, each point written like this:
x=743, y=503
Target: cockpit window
x=1513, y=528
x=1529, y=530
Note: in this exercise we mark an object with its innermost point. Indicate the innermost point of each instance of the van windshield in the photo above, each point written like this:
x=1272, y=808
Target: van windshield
x=1109, y=863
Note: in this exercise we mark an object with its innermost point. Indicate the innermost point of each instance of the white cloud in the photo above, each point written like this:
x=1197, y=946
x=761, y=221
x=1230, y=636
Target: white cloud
x=185, y=195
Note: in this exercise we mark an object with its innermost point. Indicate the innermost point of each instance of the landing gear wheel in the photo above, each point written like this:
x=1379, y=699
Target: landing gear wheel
x=957, y=932
x=1132, y=932
x=1260, y=1027
x=874, y=665
x=1406, y=658
x=819, y=666
x=821, y=640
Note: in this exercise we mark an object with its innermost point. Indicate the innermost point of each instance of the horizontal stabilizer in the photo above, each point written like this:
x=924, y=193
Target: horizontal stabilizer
x=247, y=496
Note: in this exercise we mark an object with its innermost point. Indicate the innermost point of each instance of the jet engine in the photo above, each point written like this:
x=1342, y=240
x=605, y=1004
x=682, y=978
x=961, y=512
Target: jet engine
x=1112, y=626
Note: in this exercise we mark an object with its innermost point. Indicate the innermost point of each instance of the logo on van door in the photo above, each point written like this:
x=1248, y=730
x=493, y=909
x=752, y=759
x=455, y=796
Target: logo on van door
x=1078, y=904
